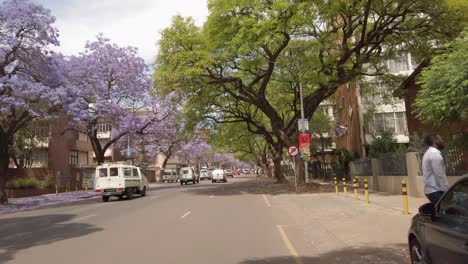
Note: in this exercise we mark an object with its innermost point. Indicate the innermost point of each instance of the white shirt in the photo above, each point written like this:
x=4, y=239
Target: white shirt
x=433, y=169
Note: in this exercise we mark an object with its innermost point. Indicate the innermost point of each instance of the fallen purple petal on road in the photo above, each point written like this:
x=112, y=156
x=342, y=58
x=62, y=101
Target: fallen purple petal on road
x=34, y=202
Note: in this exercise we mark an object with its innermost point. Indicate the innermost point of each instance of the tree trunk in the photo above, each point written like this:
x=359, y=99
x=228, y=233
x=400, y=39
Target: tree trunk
x=278, y=172
x=4, y=161
x=163, y=167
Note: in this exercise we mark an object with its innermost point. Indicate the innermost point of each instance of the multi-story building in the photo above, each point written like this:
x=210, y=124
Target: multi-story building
x=361, y=116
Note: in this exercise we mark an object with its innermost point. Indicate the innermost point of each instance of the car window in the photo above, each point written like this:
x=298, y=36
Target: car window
x=455, y=202
x=127, y=172
x=103, y=172
x=114, y=171
x=185, y=171
x=135, y=173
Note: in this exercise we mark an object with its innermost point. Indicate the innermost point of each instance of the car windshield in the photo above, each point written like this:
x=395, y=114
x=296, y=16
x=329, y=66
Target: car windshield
x=167, y=173
x=185, y=171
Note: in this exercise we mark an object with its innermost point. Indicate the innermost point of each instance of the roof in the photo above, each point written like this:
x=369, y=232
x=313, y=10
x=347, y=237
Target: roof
x=404, y=85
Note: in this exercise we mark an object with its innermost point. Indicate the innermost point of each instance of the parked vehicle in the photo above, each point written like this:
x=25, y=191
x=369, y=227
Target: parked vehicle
x=229, y=173
x=204, y=174
x=187, y=174
x=236, y=172
x=170, y=176
x=245, y=171
x=439, y=234
x=218, y=175
x=120, y=180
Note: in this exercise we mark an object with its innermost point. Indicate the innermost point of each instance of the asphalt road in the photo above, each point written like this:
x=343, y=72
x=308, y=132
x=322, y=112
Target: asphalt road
x=173, y=224
x=245, y=221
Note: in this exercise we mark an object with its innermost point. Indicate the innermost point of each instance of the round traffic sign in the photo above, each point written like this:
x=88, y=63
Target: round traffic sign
x=293, y=151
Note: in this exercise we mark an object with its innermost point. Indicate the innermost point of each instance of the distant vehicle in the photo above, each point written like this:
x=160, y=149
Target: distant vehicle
x=170, y=176
x=252, y=170
x=204, y=174
x=229, y=173
x=218, y=175
x=236, y=172
x=120, y=180
x=245, y=171
x=439, y=234
x=188, y=175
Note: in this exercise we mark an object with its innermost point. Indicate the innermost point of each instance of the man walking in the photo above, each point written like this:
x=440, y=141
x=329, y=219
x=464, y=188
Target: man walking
x=433, y=169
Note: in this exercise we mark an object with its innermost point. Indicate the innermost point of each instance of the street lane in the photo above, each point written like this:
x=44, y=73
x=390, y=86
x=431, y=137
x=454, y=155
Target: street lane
x=182, y=224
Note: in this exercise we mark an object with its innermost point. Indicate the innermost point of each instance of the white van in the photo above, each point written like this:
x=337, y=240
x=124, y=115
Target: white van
x=218, y=175
x=120, y=180
x=187, y=174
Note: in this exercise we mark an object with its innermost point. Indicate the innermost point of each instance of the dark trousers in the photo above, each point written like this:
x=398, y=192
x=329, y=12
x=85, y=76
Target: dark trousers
x=434, y=197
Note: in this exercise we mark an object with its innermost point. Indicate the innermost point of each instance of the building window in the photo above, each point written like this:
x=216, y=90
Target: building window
x=103, y=128
x=40, y=157
x=399, y=64
x=393, y=122
x=73, y=157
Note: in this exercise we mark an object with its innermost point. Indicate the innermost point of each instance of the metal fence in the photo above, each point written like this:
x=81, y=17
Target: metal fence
x=454, y=157
x=393, y=166
x=363, y=167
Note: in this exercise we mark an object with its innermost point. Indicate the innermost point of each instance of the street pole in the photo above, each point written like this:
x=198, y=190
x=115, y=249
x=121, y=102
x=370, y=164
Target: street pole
x=306, y=170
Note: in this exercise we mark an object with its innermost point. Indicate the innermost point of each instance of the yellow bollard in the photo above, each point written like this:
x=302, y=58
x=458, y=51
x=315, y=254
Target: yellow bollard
x=336, y=185
x=366, y=191
x=345, y=190
x=56, y=189
x=355, y=186
x=76, y=186
x=405, y=197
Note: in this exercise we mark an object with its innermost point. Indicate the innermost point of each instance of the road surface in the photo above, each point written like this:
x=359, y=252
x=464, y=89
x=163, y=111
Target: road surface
x=244, y=221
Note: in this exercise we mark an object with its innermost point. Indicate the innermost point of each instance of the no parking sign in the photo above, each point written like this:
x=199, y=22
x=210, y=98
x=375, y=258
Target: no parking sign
x=293, y=151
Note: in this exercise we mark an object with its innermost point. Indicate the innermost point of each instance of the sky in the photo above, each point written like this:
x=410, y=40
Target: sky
x=135, y=23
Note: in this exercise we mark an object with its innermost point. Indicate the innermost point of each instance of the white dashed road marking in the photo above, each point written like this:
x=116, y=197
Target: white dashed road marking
x=186, y=214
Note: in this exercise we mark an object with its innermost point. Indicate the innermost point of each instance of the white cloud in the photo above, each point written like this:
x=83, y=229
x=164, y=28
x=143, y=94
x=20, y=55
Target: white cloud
x=136, y=23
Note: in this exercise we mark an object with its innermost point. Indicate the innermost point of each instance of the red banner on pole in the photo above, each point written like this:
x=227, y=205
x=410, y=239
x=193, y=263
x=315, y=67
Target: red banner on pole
x=304, y=140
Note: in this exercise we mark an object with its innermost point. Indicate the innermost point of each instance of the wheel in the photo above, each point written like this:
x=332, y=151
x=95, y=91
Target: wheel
x=143, y=193
x=130, y=194
x=198, y=181
x=105, y=198
x=194, y=181
x=212, y=181
x=120, y=197
x=181, y=183
x=417, y=253
x=225, y=181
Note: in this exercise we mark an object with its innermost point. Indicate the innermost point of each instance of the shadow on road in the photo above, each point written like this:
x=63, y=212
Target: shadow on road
x=253, y=186
x=366, y=255
x=26, y=232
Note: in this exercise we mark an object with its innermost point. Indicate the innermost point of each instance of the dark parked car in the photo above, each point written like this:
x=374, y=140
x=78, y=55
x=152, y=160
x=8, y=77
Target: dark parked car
x=439, y=234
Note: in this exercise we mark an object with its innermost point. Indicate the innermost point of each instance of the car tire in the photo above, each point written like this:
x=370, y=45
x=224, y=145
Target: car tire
x=130, y=194
x=181, y=183
x=212, y=181
x=417, y=253
x=143, y=193
x=105, y=198
x=120, y=197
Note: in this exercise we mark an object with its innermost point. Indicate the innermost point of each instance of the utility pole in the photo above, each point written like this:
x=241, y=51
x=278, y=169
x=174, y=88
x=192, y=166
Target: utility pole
x=306, y=170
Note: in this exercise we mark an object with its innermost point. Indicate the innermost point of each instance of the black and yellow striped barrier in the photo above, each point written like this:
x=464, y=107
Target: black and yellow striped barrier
x=355, y=187
x=404, y=192
x=366, y=191
x=56, y=189
x=345, y=190
x=336, y=185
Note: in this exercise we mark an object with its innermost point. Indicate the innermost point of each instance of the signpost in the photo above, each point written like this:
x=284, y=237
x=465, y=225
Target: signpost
x=293, y=151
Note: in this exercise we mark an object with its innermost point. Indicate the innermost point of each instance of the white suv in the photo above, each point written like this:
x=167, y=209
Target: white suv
x=218, y=175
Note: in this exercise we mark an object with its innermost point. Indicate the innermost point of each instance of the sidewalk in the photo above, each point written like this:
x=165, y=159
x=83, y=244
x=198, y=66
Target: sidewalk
x=35, y=202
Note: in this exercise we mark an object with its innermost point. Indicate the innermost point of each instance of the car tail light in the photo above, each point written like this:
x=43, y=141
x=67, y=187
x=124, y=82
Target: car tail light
x=98, y=190
x=120, y=189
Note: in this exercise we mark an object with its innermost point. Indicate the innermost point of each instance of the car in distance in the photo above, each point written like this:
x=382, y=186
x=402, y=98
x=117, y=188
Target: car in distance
x=236, y=172
x=218, y=175
x=439, y=233
x=245, y=171
x=187, y=174
x=169, y=175
x=204, y=174
x=229, y=173
x=119, y=180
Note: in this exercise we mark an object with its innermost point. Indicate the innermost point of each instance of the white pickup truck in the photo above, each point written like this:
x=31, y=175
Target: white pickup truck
x=119, y=180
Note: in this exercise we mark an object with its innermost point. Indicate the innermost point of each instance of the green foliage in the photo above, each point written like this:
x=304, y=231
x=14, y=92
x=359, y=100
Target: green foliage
x=443, y=97
x=23, y=183
x=385, y=144
x=48, y=182
x=416, y=143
